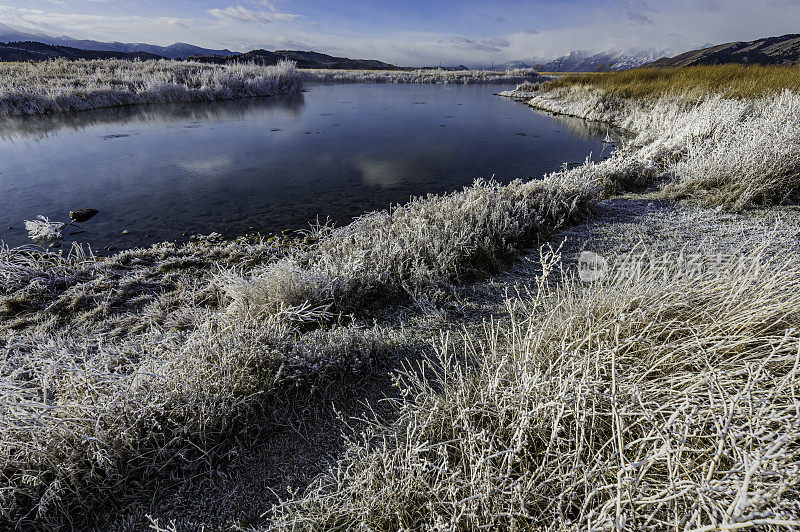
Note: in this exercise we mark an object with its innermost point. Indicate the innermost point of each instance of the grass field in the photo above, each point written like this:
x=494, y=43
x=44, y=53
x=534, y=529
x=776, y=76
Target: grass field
x=729, y=81
x=122, y=369
x=639, y=402
x=722, y=136
x=661, y=400
x=61, y=86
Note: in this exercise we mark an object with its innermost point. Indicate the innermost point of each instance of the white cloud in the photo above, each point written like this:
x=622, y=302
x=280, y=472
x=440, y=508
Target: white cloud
x=495, y=44
x=240, y=26
x=250, y=16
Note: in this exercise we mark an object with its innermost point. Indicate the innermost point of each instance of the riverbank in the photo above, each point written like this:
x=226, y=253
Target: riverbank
x=612, y=401
x=63, y=86
x=155, y=355
x=546, y=401
x=714, y=148
x=440, y=76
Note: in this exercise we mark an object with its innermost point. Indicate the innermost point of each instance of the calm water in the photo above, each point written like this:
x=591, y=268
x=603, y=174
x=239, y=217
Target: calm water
x=336, y=151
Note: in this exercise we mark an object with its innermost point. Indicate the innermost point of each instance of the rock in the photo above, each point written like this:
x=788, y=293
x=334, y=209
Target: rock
x=82, y=215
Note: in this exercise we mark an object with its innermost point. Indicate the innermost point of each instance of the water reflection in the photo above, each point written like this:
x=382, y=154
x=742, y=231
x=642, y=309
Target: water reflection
x=586, y=128
x=40, y=127
x=269, y=164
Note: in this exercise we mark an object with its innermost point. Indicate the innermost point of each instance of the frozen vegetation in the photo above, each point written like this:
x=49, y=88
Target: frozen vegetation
x=637, y=403
x=62, y=86
x=715, y=149
x=661, y=400
x=464, y=77
x=43, y=230
x=117, y=369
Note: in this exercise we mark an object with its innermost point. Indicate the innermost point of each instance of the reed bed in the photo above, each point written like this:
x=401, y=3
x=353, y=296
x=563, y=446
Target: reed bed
x=436, y=76
x=422, y=246
x=114, y=371
x=661, y=400
x=61, y=85
x=717, y=148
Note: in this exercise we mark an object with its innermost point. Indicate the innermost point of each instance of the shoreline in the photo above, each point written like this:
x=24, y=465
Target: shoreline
x=248, y=324
x=39, y=88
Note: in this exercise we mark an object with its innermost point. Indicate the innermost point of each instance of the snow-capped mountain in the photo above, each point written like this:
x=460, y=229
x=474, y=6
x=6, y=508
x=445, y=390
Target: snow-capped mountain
x=580, y=61
x=583, y=61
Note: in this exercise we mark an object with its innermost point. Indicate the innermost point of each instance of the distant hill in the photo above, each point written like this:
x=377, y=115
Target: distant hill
x=178, y=50
x=173, y=51
x=303, y=60
x=783, y=50
x=37, y=51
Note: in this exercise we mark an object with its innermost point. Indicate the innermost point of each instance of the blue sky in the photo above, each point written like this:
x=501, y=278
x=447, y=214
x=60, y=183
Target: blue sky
x=412, y=32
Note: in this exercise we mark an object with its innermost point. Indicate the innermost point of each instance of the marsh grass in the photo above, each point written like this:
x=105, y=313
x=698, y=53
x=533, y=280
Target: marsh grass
x=420, y=247
x=720, y=148
x=728, y=81
x=438, y=76
x=637, y=402
x=87, y=417
x=61, y=85
x=115, y=370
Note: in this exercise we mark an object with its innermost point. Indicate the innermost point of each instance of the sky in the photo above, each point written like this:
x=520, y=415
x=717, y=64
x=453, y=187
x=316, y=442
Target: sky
x=412, y=32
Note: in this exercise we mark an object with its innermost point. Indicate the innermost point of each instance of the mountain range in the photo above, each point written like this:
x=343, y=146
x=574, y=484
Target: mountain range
x=302, y=58
x=583, y=61
x=783, y=50
x=625, y=59
x=174, y=51
x=37, y=51
x=23, y=45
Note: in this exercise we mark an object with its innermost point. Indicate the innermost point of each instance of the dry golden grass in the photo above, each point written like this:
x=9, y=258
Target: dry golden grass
x=732, y=81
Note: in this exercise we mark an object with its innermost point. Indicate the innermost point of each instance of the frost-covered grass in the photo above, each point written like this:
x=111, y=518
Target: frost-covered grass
x=423, y=245
x=43, y=230
x=464, y=77
x=117, y=370
x=635, y=403
x=715, y=149
x=63, y=86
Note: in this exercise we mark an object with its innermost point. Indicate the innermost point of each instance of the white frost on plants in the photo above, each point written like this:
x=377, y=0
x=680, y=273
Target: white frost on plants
x=43, y=230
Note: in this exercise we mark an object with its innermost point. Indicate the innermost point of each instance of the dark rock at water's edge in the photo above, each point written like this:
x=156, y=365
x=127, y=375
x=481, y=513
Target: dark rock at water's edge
x=83, y=215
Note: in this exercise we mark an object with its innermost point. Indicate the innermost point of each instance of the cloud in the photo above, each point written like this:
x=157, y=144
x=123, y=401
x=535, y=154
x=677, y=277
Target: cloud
x=639, y=18
x=530, y=36
x=250, y=16
x=710, y=6
x=495, y=44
